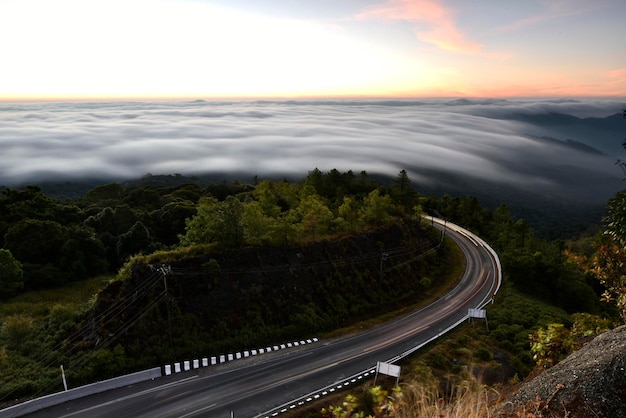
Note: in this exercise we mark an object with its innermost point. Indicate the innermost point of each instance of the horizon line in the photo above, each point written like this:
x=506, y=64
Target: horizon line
x=294, y=98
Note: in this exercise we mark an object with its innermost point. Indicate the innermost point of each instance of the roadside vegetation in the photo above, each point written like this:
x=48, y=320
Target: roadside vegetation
x=56, y=256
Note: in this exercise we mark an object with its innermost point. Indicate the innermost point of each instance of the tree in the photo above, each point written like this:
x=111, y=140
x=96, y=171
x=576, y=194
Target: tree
x=551, y=345
x=11, y=274
x=109, y=193
x=36, y=241
x=609, y=267
x=216, y=221
x=315, y=179
x=31, y=203
x=502, y=221
x=335, y=186
x=286, y=228
x=402, y=190
x=82, y=255
x=265, y=194
x=315, y=215
x=202, y=228
x=616, y=218
x=348, y=213
x=364, y=183
x=143, y=197
x=402, y=183
x=114, y=221
x=472, y=215
x=230, y=232
x=136, y=240
x=609, y=263
x=169, y=221
x=376, y=208
x=186, y=192
x=257, y=226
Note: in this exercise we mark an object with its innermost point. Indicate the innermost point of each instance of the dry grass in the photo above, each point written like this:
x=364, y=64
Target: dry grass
x=467, y=399
x=470, y=400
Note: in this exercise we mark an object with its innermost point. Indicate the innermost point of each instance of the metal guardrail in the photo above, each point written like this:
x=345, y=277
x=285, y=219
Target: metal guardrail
x=58, y=398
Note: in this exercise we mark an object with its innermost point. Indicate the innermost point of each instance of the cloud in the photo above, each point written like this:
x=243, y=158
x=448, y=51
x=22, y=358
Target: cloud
x=617, y=81
x=553, y=10
x=434, y=23
x=519, y=143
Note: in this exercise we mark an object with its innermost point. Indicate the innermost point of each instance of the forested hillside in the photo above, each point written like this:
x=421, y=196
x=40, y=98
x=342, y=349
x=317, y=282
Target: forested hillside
x=224, y=299
x=250, y=263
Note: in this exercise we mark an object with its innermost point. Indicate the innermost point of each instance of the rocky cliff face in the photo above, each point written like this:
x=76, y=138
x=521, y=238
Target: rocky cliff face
x=591, y=382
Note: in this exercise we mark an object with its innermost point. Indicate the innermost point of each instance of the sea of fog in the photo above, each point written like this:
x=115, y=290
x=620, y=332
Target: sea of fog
x=560, y=147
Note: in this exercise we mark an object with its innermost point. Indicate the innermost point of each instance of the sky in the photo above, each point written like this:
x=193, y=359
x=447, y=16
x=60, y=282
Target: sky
x=119, y=49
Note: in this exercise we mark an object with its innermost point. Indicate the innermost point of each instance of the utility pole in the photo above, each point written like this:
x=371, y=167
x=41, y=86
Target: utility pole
x=165, y=271
x=383, y=257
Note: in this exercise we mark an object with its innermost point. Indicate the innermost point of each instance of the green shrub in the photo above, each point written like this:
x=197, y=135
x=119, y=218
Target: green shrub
x=483, y=354
x=550, y=345
x=16, y=329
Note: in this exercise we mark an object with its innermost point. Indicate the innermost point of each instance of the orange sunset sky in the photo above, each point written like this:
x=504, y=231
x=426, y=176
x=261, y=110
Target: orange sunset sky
x=77, y=49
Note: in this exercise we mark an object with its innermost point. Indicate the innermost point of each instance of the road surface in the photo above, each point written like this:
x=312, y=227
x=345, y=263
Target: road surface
x=262, y=385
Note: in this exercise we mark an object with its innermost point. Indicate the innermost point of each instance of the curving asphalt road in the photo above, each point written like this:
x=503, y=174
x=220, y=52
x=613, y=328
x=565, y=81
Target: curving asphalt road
x=263, y=385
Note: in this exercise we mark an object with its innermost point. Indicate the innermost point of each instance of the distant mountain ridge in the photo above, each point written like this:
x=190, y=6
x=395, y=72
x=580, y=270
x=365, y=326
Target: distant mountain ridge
x=603, y=134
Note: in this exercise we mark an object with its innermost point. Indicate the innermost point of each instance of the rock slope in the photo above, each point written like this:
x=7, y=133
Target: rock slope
x=591, y=382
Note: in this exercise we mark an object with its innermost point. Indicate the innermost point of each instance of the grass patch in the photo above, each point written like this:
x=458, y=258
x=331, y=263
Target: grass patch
x=33, y=326
x=37, y=303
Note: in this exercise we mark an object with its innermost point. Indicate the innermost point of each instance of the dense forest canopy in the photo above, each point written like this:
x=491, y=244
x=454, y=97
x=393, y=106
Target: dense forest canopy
x=58, y=241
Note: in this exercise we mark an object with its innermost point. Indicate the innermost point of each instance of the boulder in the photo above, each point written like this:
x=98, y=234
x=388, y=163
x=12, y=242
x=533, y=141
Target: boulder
x=590, y=382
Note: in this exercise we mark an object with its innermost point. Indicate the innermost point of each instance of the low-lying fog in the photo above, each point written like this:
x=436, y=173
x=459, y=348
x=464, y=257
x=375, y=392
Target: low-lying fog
x=561, y=147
